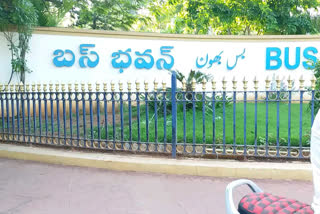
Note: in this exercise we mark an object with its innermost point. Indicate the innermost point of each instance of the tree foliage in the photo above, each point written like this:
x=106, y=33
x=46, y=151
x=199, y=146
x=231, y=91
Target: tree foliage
x=233, y=17
x=107, y=14
x=17, y=19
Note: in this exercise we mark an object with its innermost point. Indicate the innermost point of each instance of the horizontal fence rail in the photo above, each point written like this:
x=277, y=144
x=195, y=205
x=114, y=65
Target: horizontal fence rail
x=275, y=122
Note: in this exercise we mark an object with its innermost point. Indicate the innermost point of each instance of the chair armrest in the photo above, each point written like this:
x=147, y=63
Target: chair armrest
x=229, y=198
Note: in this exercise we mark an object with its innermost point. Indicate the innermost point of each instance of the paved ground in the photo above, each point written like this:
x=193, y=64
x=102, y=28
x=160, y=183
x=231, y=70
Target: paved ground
x=29, y=187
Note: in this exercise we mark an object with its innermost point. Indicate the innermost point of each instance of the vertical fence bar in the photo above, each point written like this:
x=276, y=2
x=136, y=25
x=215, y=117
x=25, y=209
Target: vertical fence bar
x=184, y=88
x=193, y=115
x=113, y=115
x=28, y=113
x=138, y=112
x=213, y=116
x=130, y=115
x=289, y=114
x=204, y=116
x=278, y=115
x=98, y=113
x=77, y=112
x=267, y=115
x=301, y=110
x=40, y=111
x=64, y=114
x=255, y=81
x=23, y=112
x=147, y=110
x=18, y=97
x=105, y=89
x=174, y=113
x=155, y=94
x=84, y=114
x=12, y=111
x=45, y=100
x=289, y=124
x=300, y=123
x=164, y=89
x=58, y=111
x=8, y=110
x=51, y=110
x=34, y=112
x=70, y=111
x=234, y=82
x=2, y=110
x=121, y=114
x=245, y=116
x=91, y=114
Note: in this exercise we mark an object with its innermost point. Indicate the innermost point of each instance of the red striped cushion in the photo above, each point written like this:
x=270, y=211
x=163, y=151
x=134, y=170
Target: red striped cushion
x=265, y=203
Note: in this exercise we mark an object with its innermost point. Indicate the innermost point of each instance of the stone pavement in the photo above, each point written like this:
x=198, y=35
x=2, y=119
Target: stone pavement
x=30, y=187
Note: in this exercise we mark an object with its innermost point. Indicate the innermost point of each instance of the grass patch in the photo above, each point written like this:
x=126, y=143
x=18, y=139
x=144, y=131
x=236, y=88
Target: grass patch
x=229, y=134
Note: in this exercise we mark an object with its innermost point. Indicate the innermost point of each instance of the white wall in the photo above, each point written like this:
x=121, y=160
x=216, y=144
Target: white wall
x=185, y=53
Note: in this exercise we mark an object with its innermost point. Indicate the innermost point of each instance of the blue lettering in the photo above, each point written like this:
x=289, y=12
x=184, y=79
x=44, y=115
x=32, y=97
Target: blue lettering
x=270, y=58
x=312, y=58
x=286, y=58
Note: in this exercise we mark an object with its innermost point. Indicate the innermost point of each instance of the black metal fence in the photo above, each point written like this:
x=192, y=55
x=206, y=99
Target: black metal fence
x=275, y=122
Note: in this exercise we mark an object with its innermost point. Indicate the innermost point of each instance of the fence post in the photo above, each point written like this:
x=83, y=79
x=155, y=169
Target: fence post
x=174, y=113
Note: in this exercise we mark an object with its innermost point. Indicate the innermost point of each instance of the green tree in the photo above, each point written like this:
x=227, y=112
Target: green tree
x=17, y=19
x=233, y=17
x=51, y=12
x=107, y=14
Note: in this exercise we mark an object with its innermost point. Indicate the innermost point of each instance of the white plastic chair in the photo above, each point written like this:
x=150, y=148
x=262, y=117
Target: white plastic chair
x=231, y=209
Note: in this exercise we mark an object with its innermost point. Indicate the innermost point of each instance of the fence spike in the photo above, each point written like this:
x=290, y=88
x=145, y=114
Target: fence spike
x=21, y=86
x=184, y=85
x=289, y=82
x=213, y=82
x=11, y=87
x=204, y=83
x=267, y=83
x=6, y=87
x=44, y=87
x=245, y=83
x=105, y=87
x=89, y=86
x=97, y=86
x=313, y=82
x=224, y=83
x=129, y=86
x=193, y=84
x=164, y=85
x=120, y=86
x=146, y=86
x=301, y=80
x=57, y=86
x=33, y=86
x=234, y=83
x=63, y=87
x=69, y=86
x=112, y=86
x=76, y=86
x=1, y=87
x=256, y=83
x=155, y=83
x=28, y=87
x=39, y=87
x=83, y=86
x=16, y=87
x=137, y=86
